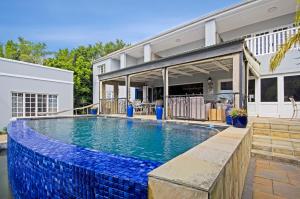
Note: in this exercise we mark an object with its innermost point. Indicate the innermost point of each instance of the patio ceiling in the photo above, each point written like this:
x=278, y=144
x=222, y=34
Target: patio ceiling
x=189, y=69
x=203, y=60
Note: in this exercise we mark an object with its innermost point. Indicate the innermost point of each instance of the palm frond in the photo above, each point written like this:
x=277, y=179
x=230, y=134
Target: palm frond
x=297, y=18
x=280, y=54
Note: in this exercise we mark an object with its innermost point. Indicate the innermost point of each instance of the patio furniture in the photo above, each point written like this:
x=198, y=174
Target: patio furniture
x=295, y=108
x=137, y=106
x=148, y=108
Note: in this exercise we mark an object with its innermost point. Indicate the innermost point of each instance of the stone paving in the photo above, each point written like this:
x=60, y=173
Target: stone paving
x=267, y=179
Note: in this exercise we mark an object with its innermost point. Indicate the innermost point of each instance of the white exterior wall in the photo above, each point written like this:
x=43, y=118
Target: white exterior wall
x=289, y=66
x=218, y=29
x=258, y=27
x=210, y=33
x=130, y=61
x=31, y=78
x=182, y=48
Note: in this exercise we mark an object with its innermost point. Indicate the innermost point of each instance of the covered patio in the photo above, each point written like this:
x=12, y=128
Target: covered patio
x=196, y=85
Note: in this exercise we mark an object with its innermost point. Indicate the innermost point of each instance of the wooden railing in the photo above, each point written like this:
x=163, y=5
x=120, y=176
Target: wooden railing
x=113, y=106
x=270, y=43
x=85, y=110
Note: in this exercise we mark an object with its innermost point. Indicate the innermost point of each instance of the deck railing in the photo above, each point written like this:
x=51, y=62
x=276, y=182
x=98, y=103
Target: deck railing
x=270, y=43
x=199, y=107
x=113, y=106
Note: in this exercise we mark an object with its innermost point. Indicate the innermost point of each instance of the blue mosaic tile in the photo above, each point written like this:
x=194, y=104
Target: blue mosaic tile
x=40, y=167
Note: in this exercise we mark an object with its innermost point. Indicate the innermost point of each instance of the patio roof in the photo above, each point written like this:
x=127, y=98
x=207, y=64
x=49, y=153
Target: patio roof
x=203, y=60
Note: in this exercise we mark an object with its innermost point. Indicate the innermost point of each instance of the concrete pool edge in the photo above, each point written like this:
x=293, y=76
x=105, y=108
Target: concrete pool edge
x=215, y=168
x=38, y=166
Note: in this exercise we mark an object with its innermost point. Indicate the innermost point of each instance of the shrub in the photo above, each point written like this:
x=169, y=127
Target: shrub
x=238, y=112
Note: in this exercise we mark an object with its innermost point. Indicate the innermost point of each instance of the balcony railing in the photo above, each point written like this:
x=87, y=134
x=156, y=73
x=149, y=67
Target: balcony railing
x=270, y=43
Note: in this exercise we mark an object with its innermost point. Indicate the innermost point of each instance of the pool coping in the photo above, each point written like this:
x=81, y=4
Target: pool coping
x=201, y=169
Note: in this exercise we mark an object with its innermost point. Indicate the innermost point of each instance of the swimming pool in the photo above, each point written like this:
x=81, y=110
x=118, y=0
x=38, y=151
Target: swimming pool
x=148, y=140
x=93, y=157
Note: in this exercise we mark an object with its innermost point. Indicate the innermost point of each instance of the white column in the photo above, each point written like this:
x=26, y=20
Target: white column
x=236, y=83
x=147, y=53
x=116, y=96
x=127, y=90
x=280, y=95
x=145, y=93
x=101, y=96
x=257, y=95
x=165, y=74
x=123, y=60
x=210, y=33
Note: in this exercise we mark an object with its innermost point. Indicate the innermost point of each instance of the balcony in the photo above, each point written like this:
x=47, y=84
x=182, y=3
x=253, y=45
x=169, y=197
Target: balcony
x=270, y=43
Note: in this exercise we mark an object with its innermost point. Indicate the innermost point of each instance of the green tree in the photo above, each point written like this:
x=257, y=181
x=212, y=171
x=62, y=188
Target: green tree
x=80, y=61
x=280, y=54
x=24, y=50
x=1, y=50
x=11, y=50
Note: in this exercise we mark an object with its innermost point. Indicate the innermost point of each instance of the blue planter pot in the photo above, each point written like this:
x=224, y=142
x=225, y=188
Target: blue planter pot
x=159, y=112
x=240, y=121
x=93, y=112
x=130, y=111
x=229, y=120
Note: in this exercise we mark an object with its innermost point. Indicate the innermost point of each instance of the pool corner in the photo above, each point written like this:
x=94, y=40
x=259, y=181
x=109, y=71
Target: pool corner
x=215, y=168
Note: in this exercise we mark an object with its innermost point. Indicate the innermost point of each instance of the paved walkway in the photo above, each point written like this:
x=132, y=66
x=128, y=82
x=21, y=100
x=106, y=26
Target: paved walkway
x=269, y=179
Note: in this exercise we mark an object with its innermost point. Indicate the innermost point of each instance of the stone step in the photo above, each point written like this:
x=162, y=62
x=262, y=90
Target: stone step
x=279, y=145
x=269, y=139
x=286, y=158
x=282, y=149
x=285, y=125
x=262, y=146
x=275, y=156
x=277, y=133
x=261, y=154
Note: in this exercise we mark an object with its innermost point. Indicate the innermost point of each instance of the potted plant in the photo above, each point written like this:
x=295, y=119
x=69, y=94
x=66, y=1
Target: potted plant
x=239, y=118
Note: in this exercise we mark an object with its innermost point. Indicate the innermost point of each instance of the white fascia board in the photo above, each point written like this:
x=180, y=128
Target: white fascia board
x=35, y=78
x=35, y=65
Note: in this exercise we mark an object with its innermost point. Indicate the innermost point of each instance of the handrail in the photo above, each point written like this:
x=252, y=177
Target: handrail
x=67, y=110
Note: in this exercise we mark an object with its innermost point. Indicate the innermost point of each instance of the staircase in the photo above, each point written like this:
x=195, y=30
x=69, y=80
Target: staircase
x=276, y=140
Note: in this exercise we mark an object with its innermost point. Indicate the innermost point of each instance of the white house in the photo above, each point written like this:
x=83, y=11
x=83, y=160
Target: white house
x=205, y=58
x=32, y=90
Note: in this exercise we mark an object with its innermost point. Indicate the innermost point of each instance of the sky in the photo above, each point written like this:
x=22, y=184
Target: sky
x=70, y=23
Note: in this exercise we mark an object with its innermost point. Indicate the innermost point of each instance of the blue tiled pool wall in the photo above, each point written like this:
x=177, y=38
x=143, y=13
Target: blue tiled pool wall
x=43, y=168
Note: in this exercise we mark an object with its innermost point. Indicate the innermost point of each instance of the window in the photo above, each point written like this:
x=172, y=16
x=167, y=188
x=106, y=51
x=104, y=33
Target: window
x=101, y=69
x=17, y=104
x=30, y=104
x=42, y=104
x=269, y=90
x=52, y=103
x=186, y=89
x=251, y=90
x=292, y=87
x=226, y=86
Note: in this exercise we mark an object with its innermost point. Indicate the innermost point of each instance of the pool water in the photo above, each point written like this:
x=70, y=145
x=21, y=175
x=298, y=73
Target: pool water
x=149, y=140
